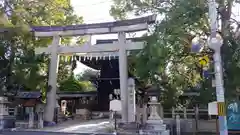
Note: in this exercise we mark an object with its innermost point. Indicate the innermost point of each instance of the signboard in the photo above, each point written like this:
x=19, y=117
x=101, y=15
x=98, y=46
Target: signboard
x=212, y=108
x=115, y=105
x=233, y=116
x=221, y=109
x=203, y=61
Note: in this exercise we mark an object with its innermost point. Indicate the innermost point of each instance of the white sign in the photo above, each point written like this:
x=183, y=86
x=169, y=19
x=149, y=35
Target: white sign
x=212, y=108
x=115, y=105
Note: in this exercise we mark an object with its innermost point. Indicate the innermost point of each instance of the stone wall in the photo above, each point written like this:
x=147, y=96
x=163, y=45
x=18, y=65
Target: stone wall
x=189, y=125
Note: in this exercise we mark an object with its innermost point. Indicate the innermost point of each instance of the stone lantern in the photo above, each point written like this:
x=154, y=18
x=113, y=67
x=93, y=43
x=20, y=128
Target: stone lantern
x=154, y=123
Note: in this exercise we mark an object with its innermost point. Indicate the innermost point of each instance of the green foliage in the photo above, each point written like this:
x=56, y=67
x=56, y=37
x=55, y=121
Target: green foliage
x=72, y=84
x=170, y=64
x=88, y=86
x=23, y=67
x=87, y=75
x=86, y=79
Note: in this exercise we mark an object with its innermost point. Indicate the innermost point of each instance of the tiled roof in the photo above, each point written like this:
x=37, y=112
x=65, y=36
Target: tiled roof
x=29, y=95
x=72, y=94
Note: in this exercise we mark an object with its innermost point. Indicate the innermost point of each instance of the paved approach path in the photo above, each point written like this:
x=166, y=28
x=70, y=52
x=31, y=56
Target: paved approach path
x=75, y=126
x=88, y=127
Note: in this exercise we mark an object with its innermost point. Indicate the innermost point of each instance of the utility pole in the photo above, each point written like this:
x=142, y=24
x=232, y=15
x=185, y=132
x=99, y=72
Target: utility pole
x=215, y=43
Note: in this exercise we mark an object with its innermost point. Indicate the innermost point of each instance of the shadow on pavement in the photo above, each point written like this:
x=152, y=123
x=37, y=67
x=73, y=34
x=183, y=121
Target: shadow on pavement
x=47, y=133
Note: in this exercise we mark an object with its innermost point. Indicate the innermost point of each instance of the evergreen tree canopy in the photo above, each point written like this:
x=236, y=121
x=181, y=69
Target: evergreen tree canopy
x=19, y=64
x=170, y=62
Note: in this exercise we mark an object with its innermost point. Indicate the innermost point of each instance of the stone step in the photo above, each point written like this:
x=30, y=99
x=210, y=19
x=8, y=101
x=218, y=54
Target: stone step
x=154, y=132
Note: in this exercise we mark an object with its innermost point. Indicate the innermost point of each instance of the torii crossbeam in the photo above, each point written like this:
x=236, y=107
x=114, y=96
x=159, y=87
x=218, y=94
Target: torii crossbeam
x=87, y=48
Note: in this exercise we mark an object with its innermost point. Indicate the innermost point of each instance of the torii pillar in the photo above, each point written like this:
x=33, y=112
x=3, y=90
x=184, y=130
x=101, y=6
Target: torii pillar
x=52, y=80
x=123, y=74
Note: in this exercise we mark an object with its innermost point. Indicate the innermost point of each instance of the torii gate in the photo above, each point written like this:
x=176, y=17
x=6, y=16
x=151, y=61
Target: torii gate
x=122, y=46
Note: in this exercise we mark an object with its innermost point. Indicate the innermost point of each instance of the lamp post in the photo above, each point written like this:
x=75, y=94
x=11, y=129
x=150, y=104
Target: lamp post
x=215, y=43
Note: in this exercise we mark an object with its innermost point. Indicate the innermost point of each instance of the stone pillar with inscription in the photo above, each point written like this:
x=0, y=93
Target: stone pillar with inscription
x=110, y=111
x=131, y=100
x=31, y=118
x=40, y=110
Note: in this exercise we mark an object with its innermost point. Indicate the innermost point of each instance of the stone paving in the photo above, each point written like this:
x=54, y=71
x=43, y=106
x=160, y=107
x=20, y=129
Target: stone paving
x=76, y=126
x=49, y=133
x=73, y=127
x=62, y=133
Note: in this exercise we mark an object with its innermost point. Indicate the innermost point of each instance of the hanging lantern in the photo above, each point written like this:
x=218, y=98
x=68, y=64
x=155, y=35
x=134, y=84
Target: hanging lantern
x=196, y=45
x=218, y=41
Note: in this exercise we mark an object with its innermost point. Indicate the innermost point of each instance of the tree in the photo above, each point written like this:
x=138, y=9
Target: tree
x=88, y=79
x=74, y=84
x=71, y=84
x=171, y=64
x=25, y=68
x=88, y=75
